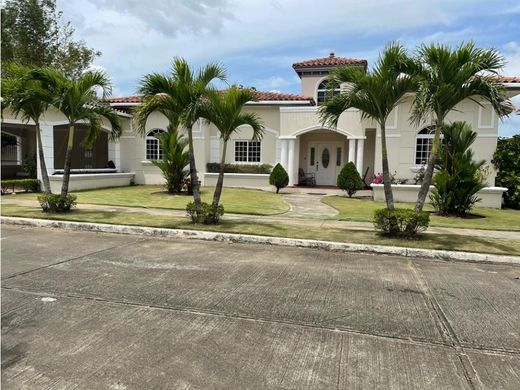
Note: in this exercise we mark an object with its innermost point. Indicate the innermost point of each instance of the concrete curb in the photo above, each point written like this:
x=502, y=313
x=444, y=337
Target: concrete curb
x=251, y=239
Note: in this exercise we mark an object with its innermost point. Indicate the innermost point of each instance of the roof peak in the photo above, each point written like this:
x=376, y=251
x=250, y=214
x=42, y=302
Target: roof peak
x=329, y=61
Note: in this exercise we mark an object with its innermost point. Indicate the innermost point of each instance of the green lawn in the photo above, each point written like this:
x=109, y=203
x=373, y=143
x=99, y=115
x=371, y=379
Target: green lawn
x=279, y=229
x=357, y=209
x=235, y=200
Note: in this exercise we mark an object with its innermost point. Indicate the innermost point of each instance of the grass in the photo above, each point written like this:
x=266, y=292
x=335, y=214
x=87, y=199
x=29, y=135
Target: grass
x=357, y=209
x=235, y=200
x=280, y=229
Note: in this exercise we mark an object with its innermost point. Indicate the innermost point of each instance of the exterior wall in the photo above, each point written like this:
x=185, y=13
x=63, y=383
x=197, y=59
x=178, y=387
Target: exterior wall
x=310, y=84
x=401, y=137
x=489, y=197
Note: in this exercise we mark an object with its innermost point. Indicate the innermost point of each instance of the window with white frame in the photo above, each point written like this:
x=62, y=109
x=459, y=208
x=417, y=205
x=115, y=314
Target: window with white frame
x=153, y=145
x=322, y=94
x=247, y=151
x=423, y=145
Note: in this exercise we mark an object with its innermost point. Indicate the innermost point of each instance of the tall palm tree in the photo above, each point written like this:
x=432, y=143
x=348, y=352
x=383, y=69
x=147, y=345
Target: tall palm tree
x=375, y=94
x=447, y=77
x=76, y=98
x=225, y=112
x=185, y=92
x=27, y=98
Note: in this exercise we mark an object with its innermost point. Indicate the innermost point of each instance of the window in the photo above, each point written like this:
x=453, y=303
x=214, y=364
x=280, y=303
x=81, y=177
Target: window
x=338, y=157
x=153, y=145
x=313, y=152
x=322, y=92
x=247, y=151
x=11, y=149
x=423, y=145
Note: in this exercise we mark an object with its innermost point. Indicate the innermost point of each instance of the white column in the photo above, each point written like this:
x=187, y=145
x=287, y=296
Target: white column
x=290, y=162
x=359, y=155
x=283, y=153
x=351, y=150
x=114, y=153
x=47, y=132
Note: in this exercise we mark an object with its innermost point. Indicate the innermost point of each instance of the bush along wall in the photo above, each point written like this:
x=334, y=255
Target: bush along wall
x=240, y=168
x=27, y=185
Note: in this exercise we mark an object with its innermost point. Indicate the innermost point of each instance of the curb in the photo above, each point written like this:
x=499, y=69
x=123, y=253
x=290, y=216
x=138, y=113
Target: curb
x=251, y=239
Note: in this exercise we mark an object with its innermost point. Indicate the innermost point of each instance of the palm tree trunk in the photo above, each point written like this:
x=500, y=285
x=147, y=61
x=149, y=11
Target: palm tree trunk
x=428, y=174
x=220, y=181
x=68, y=161
x=387, y=184
x=193, y=171
x=43, y=165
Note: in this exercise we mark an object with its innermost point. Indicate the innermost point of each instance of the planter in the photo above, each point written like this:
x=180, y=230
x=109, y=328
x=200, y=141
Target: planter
x=407, y=193
x=242, y=180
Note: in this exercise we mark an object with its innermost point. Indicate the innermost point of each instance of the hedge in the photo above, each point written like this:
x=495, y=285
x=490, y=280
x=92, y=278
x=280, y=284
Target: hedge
x=28, y=185
x=239, y=168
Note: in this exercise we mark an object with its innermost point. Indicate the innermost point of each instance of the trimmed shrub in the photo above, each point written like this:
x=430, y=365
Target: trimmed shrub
x=208, y=215
x=279, y=177
x=28, y=185
x=512, y=195
x=55, y=203
x=405, y=223
x=240, y=168
x=349, y=179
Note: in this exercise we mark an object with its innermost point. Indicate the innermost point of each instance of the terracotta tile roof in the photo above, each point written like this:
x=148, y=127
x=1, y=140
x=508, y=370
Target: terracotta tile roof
x=329, y=61
x=509, y=79
x=261, y=96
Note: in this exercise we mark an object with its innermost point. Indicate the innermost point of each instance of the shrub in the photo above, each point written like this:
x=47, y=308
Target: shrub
x=240, y=168
x=279, y=177
x=55, y=203
x=209, y=214
x=349, y=179
x=506, y=160
x=28, y=185
x=174, y=161
x=458, y=177
x=403, y=223
x=29, y=166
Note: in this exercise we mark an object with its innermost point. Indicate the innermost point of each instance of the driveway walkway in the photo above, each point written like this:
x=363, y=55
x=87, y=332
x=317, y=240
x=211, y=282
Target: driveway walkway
x=308, y=206
x=100, y=311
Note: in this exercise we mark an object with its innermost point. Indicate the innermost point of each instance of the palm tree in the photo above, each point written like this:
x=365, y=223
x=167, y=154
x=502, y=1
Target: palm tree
x=446, y=77
x=225, y=112
x=175, y=159
x=375, y=94
x=27, y=98
x=186, y=93
x=76, y=98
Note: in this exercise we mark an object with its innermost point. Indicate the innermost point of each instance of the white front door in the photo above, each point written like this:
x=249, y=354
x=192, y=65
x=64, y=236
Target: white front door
x=322, y=161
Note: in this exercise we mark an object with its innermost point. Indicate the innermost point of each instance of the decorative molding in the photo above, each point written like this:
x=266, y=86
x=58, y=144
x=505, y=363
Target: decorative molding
x=481, y=109
x=396, y=119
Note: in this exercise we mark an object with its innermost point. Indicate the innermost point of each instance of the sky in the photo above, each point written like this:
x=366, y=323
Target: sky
x=258, y=40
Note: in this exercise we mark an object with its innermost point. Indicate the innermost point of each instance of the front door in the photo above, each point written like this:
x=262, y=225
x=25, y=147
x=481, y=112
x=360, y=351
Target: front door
x=322, y=162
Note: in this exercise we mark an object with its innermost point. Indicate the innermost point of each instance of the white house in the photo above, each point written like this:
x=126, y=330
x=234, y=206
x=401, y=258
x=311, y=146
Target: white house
x=294, y=137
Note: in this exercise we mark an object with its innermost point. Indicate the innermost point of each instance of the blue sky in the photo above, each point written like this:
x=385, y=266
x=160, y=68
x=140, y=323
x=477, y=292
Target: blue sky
x=258, y=40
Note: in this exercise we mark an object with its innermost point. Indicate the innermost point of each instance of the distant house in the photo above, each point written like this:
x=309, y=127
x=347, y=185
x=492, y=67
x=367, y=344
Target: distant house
x=294, y=137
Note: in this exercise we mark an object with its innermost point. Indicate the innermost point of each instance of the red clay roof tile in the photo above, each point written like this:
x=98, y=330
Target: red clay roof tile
x=329, y=61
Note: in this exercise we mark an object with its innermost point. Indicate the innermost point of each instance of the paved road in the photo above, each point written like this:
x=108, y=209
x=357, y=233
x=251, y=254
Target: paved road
x=98, y=311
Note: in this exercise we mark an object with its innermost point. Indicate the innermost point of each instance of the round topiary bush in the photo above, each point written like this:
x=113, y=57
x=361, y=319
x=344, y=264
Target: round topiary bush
x=349, y=179
x=279, y=177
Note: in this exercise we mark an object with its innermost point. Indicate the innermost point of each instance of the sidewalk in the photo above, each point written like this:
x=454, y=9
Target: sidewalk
x=296, y=217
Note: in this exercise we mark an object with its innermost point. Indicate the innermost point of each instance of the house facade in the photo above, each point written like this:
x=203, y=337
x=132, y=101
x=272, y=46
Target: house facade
x=294, y=136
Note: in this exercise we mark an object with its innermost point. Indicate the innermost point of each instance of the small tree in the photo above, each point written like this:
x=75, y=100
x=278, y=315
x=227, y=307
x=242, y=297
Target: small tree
x=349, y=179
x=279, y=177
x=175, y=159
x=507, y=161
x=457, y=180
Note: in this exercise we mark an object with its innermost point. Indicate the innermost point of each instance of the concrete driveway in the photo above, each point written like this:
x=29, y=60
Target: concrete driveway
x=98, y=311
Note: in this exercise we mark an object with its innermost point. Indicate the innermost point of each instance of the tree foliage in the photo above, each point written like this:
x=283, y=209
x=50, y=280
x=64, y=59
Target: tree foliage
x=34, y=34
x=457, y=180
x=279, y=177
x=349, y=179
x=507, y=162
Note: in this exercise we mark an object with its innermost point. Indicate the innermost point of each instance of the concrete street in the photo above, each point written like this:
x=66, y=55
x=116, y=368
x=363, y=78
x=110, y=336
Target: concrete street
x=85, y=310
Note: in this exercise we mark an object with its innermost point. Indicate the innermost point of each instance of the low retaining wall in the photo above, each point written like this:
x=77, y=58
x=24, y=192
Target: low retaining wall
x=490, y=196
x=243, y=180
x=90, y=181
